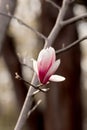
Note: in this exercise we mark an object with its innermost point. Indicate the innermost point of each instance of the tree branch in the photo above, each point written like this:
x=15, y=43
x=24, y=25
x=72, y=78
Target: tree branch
x=54, y=4
x=22, y=23
x=53, y=34
x=28, y=83
x=33, y=109
x=71, y=45
x=73, y=20
x=57, y=27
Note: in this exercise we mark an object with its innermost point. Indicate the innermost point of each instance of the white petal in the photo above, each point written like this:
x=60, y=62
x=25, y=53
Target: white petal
x=57, y=78
x=35, y=65
x=53, y=68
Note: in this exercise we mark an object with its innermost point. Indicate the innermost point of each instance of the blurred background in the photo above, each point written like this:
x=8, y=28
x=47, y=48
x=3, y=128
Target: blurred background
x=64, y=107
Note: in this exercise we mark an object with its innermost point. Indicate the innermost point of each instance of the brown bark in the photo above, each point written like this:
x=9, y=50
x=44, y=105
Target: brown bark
x=6, y=6
x=63, y=111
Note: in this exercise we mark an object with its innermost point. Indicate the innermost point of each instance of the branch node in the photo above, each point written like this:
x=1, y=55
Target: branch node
x=33, y=109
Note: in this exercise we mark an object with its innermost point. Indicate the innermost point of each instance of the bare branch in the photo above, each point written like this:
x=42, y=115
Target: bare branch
x=57, y=27
x=33, y=109
x=22, y=23
x=71, y=45
x=53, y=34
x=54, y=4
x=37, y=91
x=28, y=83
x=73, y=20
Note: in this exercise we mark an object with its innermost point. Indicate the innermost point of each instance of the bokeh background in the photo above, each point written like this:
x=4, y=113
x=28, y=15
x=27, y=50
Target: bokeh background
x=58, y=110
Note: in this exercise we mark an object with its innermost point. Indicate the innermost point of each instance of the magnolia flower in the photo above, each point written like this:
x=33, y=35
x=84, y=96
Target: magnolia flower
x=46, y=65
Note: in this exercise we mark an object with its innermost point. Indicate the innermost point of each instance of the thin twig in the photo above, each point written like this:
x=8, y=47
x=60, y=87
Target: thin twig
x=73, y=20
x=54, y=4
x=28, y=83
x=37, y=91
x=33, y=109
x=22, y=23
x=70, y=45
x=53, y=34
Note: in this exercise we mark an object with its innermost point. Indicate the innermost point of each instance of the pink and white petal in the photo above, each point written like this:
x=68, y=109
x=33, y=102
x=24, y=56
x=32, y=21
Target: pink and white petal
x=44, y=63
x=52, y=54
x=46, y=54
x=55, y=66
x=46, y=59
x=56, y=78
x=52, y=70
x=41, y=54
x=35, y=66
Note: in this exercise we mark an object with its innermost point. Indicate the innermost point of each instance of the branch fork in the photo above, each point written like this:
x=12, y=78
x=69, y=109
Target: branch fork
x=25, y=112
